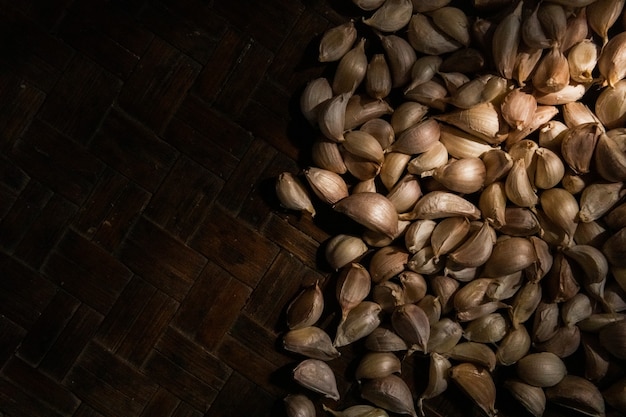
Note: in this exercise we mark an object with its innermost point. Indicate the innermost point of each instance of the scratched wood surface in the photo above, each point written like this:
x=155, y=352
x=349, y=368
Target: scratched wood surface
x=145, y=262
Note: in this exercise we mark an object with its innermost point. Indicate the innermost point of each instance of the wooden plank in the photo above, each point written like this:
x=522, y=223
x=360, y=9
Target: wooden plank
x=21, y=102
x=19, y=403
x=12, y=336
x=162, y=404
x=228, y=402
x=291, y=239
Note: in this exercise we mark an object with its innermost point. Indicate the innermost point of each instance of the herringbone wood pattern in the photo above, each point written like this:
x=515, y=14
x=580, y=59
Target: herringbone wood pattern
x=145, y=262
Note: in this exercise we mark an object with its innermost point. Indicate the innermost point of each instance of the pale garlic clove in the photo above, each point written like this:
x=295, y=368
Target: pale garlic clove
x=435, y=157
x=377, y=365
x=562, y=209
x=353, y=286
x=361, y=109
x=545, y=321
x=492, y=204
x=387, y=262
x=392, y=16
x=312, y=342
x=336, y=42
x=591, y=233
x=351, y=70
x=542, y=115
x=401, y=57
x=326, y=155
x=361, y=168
x=389, y=295
x=483, y=121
x=363, y=145
x=518, y=108
x=597, y=199
x=426, y=38
x=438, y=375
x=541, y=369
x=444, y=335
x=498, y=163
x=453, y=22
x=328, y=186
x=449, y=234
x=577, y=28
x=431, y=93
x=609, y=159
x=503, y=287
x=576, y=309
x=514, y=346
x=532, y=398
x=332, y=115
x=360, y=322
x=549, y=169
x=299, y=405
x=306, y=308
x=464, y=176
x=418, y=138
x=561, y=282
x=611, y=63
x=393, y=168
x=381, y=129
x=490, y=328
x=602, y=15
x=475, y=251
x=509, y=256
x=444, y=288
x=442, y=204
x=417, y=235
x=577, y=113
x=425, y=262
x=390, y=393
x=317, y=376
x=477, y=383
x=582, y=59
x=610, y=107
x=384, y=340
x=578, y=394
x=292, y=194
x=379, y=240
x=423, y=70
x=406, y=115
x=315, y=93
x=342, y=249
x=525, y=62
x=372, y=210
x=520, y=221
x=405, y=193
x=414, y=286
x=461, y=144
x=525, y=302
x=378, y=77
x=543, y=264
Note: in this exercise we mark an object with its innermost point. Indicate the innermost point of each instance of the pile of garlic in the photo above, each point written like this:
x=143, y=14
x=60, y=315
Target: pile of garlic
x=482, y=149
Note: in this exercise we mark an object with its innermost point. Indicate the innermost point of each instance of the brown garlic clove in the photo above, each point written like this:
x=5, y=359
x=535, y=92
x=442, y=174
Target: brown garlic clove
x=477, y=383
x=317, y=376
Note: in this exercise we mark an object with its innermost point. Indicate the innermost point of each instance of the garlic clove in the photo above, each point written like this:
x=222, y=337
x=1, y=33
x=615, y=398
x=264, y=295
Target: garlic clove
x=477, y=383
x=299, y=405
x=411, y=323
x=542, y=369
x=317, y=376
x=292, y=194
x=392, y=16
x=306, y=308
x=377, y=365
x=360, y=322
x=336, y=42
x=390, y=393
x=533, y=399
x=578, y=394
x=312, y=342
x=372, y=210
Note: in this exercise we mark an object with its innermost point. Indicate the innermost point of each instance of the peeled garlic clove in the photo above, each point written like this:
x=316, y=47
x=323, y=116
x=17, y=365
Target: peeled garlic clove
x=582, y=59
x=353, y=286
x=312, y=342
x=578, y=394
x=292, y=194
x=453, y=22
x=549, y=168
x=552, y=72
x=393, y=15
x=464, y=176
x=477, y=383
x=532, y=398
x=384, y=340
x=336, y=42
x=542, y=369
x=441, y=204
x=612, y=61
x=490, y=328
x=425, y=37
x=610, y=106
x=317, y=376
x=343, y=249
x=377, y=365
x=411, y=323
x=372, y=210
x=514, y=346
x=328, y=186
x=390, y=393
x=561, y=208
x=360, y=322
x=378, y=77
x=401, y=57
x=326, y=155
x=299, y=405
x=306, y=309
x=518, y=108
x=315, y=93
x=332, y=115
x=509, y=256
x=418, y=138
x=506, y=38
x=615, y=395
x=613, y=338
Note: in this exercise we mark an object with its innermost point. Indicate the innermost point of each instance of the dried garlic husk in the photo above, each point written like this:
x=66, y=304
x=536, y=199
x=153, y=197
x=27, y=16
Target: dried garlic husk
x=377, y=365
x=378, y=77
x=477, y=383
x=299, y=405
x=306, y=308
x=343, y=249
x=372, y=210
x=360, y=322
x=336, y=42
x=384, y=340
x=612, y=61
x=312, y=342
x=578, y=394
x=387, y=262
x=353, y=286
x=411, y=323
x=393, y=15
x=532, y=398
x=390, y=393
x=292, y=194
x=542, y=369
x=328, y=186
x=317, y=376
